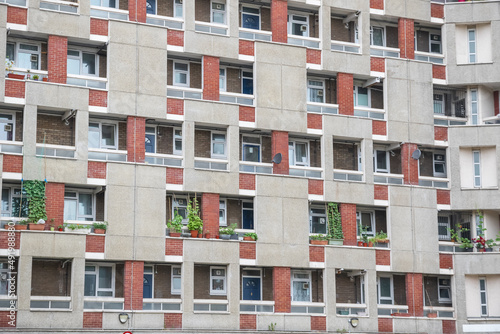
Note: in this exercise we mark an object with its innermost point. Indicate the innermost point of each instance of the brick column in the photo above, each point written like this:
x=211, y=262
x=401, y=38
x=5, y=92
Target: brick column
x=414, y=296
x=133, y=285
x=496, y=102
x=210, y=78
x=345, y=98
x=57, y=59
x=281, y=290
x=136, y=134
x=406, y=38
x=409, y=166
x=279, y=24
x=348, y=215
x=137, y=10
x=279, y=144
x=210, y=213
x=54, y=203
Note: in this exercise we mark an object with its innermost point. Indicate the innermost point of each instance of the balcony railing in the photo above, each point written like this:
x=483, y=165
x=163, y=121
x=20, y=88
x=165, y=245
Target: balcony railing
x=40, y=303
x=310, y=172
x=347, y=175
x=308, y=42
x=103, y=303
x=256, y=167
x=243, y=99
x=211, y=28
x=448, y=121
x=435, y=58
x=108, y=13
x=11, y=146
x=382, y=51
x=56, y=151
x=84, y=81
x=369, y=112
x=60, y=6
x=165, y=21
x=164, y=159
x=107, y=155
x=210, y=305
x=5, y=301
x=323, y=108
x=184, y=92
x=28, y=74
x=389, y=309
x=345, y=47
x=21, y=3
x=256, y=306
x=351, y=309
x=442, y=312
x=213, y=164
x=156, y=304
x=386, y=178
x=435, y=182
x=255, y=35
x=307, y=308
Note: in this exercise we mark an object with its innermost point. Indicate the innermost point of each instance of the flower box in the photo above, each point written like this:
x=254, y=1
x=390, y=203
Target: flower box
x=36, y=227
x=319, y=242
x=78, y=230
x=99, y=231
x=15, y=76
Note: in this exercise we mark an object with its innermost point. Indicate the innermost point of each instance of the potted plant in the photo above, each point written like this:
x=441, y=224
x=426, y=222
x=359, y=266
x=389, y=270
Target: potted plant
x=335, y=234
x=371, y=241
x=226, y=232
x=194, y=221
x=60, y=228
x=250, y=236
x=36, y=77
x=456, y=234
x=77, y=228
x=364, y=235
x=21, y=225
x=380, y=238
x=35, y=194
x=100, y=227
x=37, y=226
x=319, y=239
x=175, y=225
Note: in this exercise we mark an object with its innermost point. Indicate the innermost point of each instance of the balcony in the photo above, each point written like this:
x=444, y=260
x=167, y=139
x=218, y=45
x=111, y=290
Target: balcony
x=60, y=6
x=20, y=3
x=211, y=28
x=87, y=81
x=243, y=99
x=303, y=171
x=255, y=23
x=344, y=32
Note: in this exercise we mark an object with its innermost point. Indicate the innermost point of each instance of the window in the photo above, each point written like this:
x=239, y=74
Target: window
x=482, y=296
x=315, y=91
x=105, y=3
x=251, y=149
x=385, y=289
x=82, y=63
x=247, y=82
x=181, y=74
x=79, y=206
x=176, y=286
x=151, y=7
x=4, y=276
x=247, y=215
x=301, y=286
x=99, y=280
x=103, y=136
x=439, y=165
x=14, y=202
x=150, y=139
x=473, y=109
x=444, y=290
x=476, y=160
x=24, y=55
x=366, y=219
x=443, y=226
x=361, y=96
x=439, y=104
x=298, y=153
x=179, y=205
x=178, y=10
x=317, y=219
x=298, y=25
x=381, y=162
x=472, y=45
x=222, y=213
x=435, y=43
x=377, y=36
x=177, y=141
x=217, y=280
x=7, y=126
x=218, y=14
x=250, y=18
x=222, y=79
x=218, y=145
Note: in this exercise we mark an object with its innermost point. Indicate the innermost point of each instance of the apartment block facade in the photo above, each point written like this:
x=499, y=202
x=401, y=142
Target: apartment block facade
x=264, y=112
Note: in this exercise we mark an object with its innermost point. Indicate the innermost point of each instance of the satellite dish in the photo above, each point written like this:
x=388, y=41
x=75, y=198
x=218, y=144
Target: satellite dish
x=277, y=158
x=416, y=154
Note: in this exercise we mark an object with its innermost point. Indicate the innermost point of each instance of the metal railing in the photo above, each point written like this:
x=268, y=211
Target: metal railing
x=309, y=42
x=386, y=178
x=256, y=306
x=323, y=108
x=347, y=175
x=256, y=167
x=184, y=92
x=56, y=151
x=60, y=6
x=244, y=99
x=212, y=164
x=210, y=28
x=255, y=35
x=163, y=159
x=108, y=13
x=165, y=21
x=384, y=51
x=345, y=47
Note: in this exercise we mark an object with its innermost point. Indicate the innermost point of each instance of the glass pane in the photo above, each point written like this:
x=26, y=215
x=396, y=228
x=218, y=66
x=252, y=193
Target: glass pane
x=318, y=225
x=150, y=143
x=483, y=298
x=218, y=284
x=105, y=274
x=251, y=153
x=108, y=135
x=94, y=135
x=476, y=157
x=297, y=29
x=181, y=78
x=472, y=35
x=218, y=17
x=250, y=21
x=16, y=210
x=435, y=48
x=218, y=272
x=301, y=291
x=5, y=201
x=178, y=9
x=89, y=289
x=385, y=287
x=85, y=205
x=109, y=3
x=24, y=61
x=472, y=47
x=176, y=283
x=315, y=95
x=439, y=168
x=301, y=153
x=73, y=66
x=10, y=51
x=88, y=66
x=477, y=169
x=181, y=66
x=218, y=149
x=151, y=7
x=378, y=36
x=381, y=160
x=482, y=285
x=247, y=86
x=69, y=209
x=362, y=96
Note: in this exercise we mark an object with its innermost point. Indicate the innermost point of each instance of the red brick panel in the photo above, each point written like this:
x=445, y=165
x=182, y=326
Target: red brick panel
x=7, y=319
x=281, y=290
x=316, y=254
x=248, y=250
x=12, y=163
x=57, y=58
x=98, y=27
x=54, y=203
x=136, y=132
x=406, y=38
x=248, y=321
x=408, y=164
x=381, y=192
x=279, y=20
x=173, y=320
x=315, y=121
x=414, y=297
x=175, y=106
x=441, y=133
x=175, y=175
x=280, y=145
x=173, y=247
x=377, y=4
x=443, y=196
x=345, y=98
x=14, y=241
x=96, y=170
x=95, y=243
x=92, y=319
x=133, y=284
x=137, y=11
x=17, y=15
x=496, y=102
x=348, y=215
x=445, y=261
x=210, y=78
x=439, y=72
x=382, y=257
x=98, y=98
x=318, y=324
x=379, y=128
x=377, y=64
x=247, y=181
x=210, y=213
x=437, y=10
x=246, y=48
x=313, y=56
x=175, y=37
x=15, y=88
x=385, y=325
x=247, y=114
x=315, y=187
x=449, y=327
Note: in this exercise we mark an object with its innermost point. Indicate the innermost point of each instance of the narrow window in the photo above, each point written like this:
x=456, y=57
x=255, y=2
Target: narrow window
x=218, y=145
x=218, y=13
x=473, y=109
x=178, y=10
x=150, y=141
x=222, y=213
x=472, y=45
x=250, y=18
x=385, y=290
x=181, y=74
x=222, y=80
x=476, y=156
x=301, y=286
x=315, y=91
x=483, y=296
x=176, y=280
x=217, y=280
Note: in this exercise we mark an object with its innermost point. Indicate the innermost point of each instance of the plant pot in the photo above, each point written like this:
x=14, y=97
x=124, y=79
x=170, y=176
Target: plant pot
x=52, y=228
x=360, y=243
x=36, y=227
x=15, y=76
x=99, y=231
x=248, y=238
x=432, y=315
x=18, y=227
x=319, y=242
x=45, y=79
x=370, y=244
x=489, y=250
x=200, y=235
x=365, y=244
x=194, y=233
x=60, y=229
x=338, y=242
x=234, y=236
x=224, y=236
x=175, y=234
x=207, y=235
x=480, y=250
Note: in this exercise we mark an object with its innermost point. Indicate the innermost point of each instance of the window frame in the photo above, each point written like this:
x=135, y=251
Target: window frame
x=117, y=4
x=292, y=21
x=359, y=222
x=223, y=278
x=5, y=271
x=213, y=11
x=437, y=102
x=321, y=215
x=308, y=281
x=155, y=9
x=372, y=29
x=246, y=143
x=391, y=289
x=175, y=205
x=175, y=139
x=214, y=141
x=96, y=273
x=77, y=198
x=243, y=209
x=431, y=42
x=484, y=306
x=223, y=209
x=311, y=88
x=172, y=276
x=447, y=225
x=439, y=162
x=7, y=122
x=250, y=14
x=177, y=4
x=294, y=145
x=152, y=280
x=222, y=79
x=186, y=72
x=387, y=170
x=474, y=102
x=476, y=176
x=444, y=287
x=356, y=96
x=107, y=123
x=17, y=48
x=472, y=55
x=12, y=189
x=154, y=133
x=80, y=61
x=244, y=76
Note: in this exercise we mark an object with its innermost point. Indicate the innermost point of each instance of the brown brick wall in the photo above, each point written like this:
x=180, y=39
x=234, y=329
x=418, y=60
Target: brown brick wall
x=133, y=285
x=440, y=133
x=246, y=47
x=385, y=324
x=173, y=246
x=449, y=326
x=175, y=106
x=414, y=296
x=406, y=38
x=377, y=4
x=437, y=10
x=380, y=221
x=99, y=206
x=315, y=187
x=210, y=213
x=445, y=261
x=377, y=98
x=313, y=25
x=443, y=196
x=4, y=240
x=313, y=56
x=347, y=291
x=54, y=193
x=211, y=78
x=98, y=27
x=247, y=181
x=267, y=153
x=248, y=321
x=17, y=15
x=165, y=139
x=12, y=163
x=96, y=170
x=102, y=66
x=122, y=136
x=92, y=319
x=52, y=130
x=15, y=88
x=383, y=257
x=340, y=33
x=247, y=250
x=409, y=165
x=202, y=143
x=123, y=4
x=439, y=72
x=345, y=156
x=202, y=279
x=43, y=58
x=399, y=289
x=233, y=80
x=315, y=148
x=381, y=192
x=265, y=18
x=50, y=279
x=281, y=289
x=316, y=254
x=391, y=37
x=331, y=91
x=279, y=24
x=422, y=41
x=120, y=267
x=395, y=162
x=195, y=75
x=345, y=98
x=175, y=175
x=165, y=8
x=246, y=114
x=202, y=10
x=377, y=64
x=314, y=121
x=173, y=320
x=349, y=228
x=279, y=144
x=57, y=55
x=426, y=164
x=175, y=37
x=19, y=126
x=136, y=127
x=95, y=243
x=379, y=127
x=233, y=212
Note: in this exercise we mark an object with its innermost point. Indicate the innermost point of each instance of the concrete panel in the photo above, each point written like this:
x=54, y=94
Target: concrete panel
x=122, y=76
x=152, y=69
x=151, y=37
x=209, y=321
x=472, y=12
x=43, y=320
x=121, y=222
x=263, y=322
x=124, y=103
x=123, y=174
x=150, y=177
x=119, y=247
x=211, y=45
x=401, y=228
x=150, y=212
x=53, y=23
x=357, y=64
x=56, y=96
x=402, y=325
x=268, y=91
x=65, y=171
x=81, y=134
x=281, y=120
x=349, y=192
x=296, y=221
x=350, y=258
x=270, y=219
x=287, y=255
x=149, y=248
x=211, y=251
x=293, y=88
x=110, y=321
x=210, y=181
x=124, y=32
x=413, y=9
x=211, y=112
x=45, y=244
x=279, y=186
x=297, y=323
x=147, y=320
x=283, y=54
x=350, y=127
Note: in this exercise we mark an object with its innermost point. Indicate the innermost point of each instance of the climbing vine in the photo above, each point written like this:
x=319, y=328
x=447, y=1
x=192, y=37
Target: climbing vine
x=35, y=193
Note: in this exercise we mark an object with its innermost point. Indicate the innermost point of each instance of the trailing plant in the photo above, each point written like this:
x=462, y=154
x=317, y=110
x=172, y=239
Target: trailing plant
x=380, y=236
x=272, y=326
x=480, y=240
x=318, y=237
x=35, y=194
x=23, y=222
x=100, y=225
x=193, y=214
x=456, y=234
x=176, y=223
x=334, y=222
x=76, y=226
x=250, y=234
x=228, y=230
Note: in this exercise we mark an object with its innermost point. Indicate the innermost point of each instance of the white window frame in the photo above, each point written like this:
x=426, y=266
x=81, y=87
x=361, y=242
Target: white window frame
x=321, y=215
x=320, y=89
x=243, y=202
x=434, y=95
x=4, y=272
x=223, y=278
x=372, y=28
x=177, y=137
x=175, y=205
x=17, y=48
x=12, y=122
x=484, y=306
x=447, y=225
x=359, y=215
x=79, y=192
x=246, y=77
x=292, y=21
x=387, y=161
x=292, y=148
x=304, y=280
x=444, y=287
x=213, y=141
x=96, y=273
x=222, y=79
x=12, y=189
x=250, y=14
x=155, y=8
x=186, y=72
x=431, y=42
x=245, y=143
x=174, y=291
x=356, y=96
x=154, y=133
x=379, y=295
x=439, y=162
x=107, y=123
x=477, y=176
x=80, y=60
x=217, y=10
x=472, y=55
x=178, y=4
x=117, y=5
x=474, y=102
x=223, y=210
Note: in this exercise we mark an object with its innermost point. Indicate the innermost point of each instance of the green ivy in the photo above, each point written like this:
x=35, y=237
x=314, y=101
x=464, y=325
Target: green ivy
x=35, y=194
x=334, y=222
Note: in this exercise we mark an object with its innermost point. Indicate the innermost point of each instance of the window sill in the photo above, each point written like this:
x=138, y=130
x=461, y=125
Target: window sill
x=482, y=188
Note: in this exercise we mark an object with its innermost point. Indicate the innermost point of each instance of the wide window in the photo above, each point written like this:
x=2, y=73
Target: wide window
x=250, y=18
x=181, y=74
x=298, y=25
x=82, y=63
x=176, y=279
x=14, y=202
x=298, y=153
x=315, y=91
x=217, y=280
x=471, y=33
x=361, y=96
x=105, y=3
x=317, y=219
x=150, y=141
x=251, y=149
x=99, y=280
x=381, y=162
x=7, y=126
x=103, y=135
x=79, y=206
x=301, y=286
x=218, y=14
x=377, y=36
x=385, y=290
x=24, y=55
x=366, y=220
x=218, y=145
